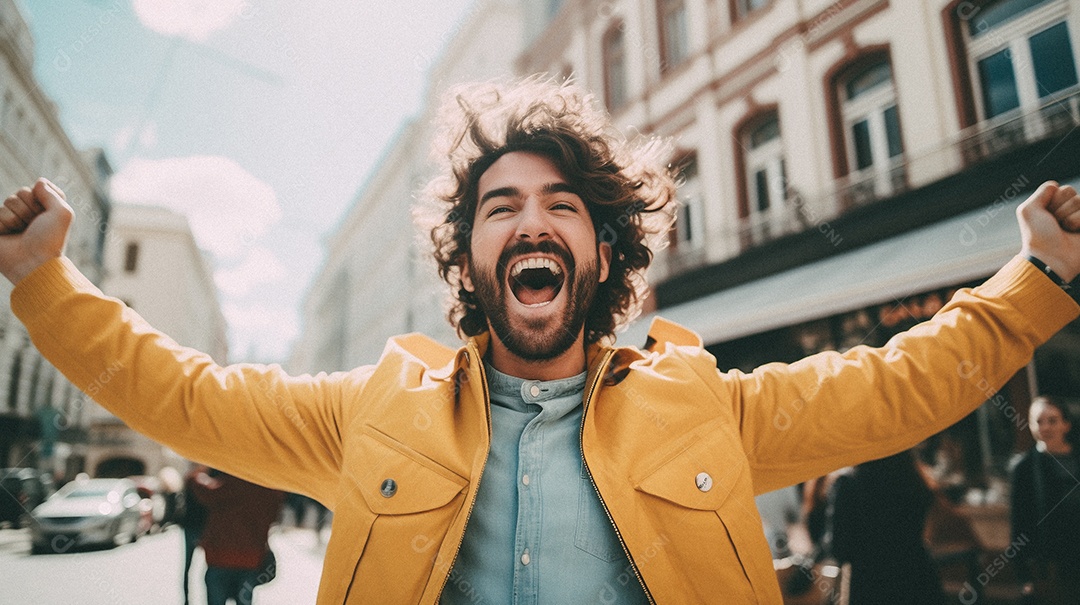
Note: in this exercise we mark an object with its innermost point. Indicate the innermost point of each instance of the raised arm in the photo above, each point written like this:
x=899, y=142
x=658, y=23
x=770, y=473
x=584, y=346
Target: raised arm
x=251, y=421
x=834, y=409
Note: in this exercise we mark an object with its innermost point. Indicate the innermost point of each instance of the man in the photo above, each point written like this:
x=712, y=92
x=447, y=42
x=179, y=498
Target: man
x=235, y=539
x=537, y=463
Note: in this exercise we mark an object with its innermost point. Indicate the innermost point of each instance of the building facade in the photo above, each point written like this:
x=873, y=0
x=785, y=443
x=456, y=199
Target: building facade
x=375, y=282
x=153, y=264
x=41, y=413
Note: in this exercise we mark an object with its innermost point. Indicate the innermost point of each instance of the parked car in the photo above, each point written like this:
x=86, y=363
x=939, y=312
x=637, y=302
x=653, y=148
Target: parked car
x=21, y=489
x=88, y=511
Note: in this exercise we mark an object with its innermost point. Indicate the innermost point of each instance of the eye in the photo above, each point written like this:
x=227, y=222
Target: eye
x=564, y=206
x=498, y=210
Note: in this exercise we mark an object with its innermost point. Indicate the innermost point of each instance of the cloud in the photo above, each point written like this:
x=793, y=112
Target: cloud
x=260, y=266
x=260, y=332
x=229, y=208
x=191, y=19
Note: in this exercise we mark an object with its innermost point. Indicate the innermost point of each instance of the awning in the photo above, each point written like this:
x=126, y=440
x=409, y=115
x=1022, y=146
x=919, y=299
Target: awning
x=965, y=248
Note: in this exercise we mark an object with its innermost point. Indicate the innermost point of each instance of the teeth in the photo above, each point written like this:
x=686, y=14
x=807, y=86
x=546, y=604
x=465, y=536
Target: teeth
x=535, y=263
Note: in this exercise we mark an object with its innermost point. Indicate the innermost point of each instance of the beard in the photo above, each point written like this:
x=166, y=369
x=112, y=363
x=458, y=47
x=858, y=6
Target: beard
x=544, y=338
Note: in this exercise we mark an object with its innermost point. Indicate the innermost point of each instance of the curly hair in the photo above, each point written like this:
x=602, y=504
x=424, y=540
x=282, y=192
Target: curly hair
x=626, y=186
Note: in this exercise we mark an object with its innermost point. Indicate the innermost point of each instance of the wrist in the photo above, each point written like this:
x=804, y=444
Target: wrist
x=1048, y=270
x=21, y=270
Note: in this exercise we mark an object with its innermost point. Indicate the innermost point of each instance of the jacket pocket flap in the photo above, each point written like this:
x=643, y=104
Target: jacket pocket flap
x=400, y=481
x=699, y=475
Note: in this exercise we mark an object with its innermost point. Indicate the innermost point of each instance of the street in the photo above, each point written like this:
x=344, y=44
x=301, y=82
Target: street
x=146, y=572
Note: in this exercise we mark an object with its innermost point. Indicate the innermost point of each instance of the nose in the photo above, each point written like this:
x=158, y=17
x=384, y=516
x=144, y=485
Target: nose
x=533, y=222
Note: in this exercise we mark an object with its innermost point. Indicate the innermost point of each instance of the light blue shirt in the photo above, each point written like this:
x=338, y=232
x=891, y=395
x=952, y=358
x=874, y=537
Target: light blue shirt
x=538, y=533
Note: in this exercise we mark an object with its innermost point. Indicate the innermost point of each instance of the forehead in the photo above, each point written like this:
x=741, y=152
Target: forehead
x=1044, y=410
x=522, y=170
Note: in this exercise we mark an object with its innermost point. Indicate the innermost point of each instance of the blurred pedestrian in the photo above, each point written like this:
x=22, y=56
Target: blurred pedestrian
x=878, y=515
x=1046, y=508
x=191, y=517
x=239, y=515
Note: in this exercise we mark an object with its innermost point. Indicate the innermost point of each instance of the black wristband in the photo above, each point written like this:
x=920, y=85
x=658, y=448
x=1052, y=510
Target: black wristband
x=1047, y=271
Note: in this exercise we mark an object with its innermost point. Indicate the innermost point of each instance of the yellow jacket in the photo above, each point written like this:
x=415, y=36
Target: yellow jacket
x=655, y=419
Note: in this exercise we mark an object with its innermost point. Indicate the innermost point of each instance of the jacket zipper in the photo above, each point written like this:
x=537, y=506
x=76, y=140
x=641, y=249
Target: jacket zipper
x=588, y=399
x=487, y=412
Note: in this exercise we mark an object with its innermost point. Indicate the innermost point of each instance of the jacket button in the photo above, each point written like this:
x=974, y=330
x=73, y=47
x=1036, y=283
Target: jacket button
x=388, y=488
x=525, y=558
x=704, y=482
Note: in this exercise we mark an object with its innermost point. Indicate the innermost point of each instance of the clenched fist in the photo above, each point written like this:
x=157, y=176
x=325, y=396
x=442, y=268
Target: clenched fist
x=34, y=225
x=1050, y=228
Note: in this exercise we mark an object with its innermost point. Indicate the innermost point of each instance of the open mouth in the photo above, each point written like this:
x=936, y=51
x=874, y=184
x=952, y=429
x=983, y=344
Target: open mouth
x=536, y=282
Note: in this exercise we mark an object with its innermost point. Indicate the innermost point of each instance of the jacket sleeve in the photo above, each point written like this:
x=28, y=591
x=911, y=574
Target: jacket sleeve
x=251, y=421
x=833, y=410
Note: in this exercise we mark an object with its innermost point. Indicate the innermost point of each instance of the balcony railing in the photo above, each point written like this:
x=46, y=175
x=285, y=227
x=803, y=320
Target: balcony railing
x=1018, y=128
x=1054, y=118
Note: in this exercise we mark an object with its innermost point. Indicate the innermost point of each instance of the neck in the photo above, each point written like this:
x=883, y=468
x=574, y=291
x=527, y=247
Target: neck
x=570, y=362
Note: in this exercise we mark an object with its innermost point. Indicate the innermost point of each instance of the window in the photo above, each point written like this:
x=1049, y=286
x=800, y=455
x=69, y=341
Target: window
x=871, y=125
x=131, y=257
x=763, y=157
x=689, y=224
x=1022, y=58
x=745, y=7
x=615, y=67
x=674, y=35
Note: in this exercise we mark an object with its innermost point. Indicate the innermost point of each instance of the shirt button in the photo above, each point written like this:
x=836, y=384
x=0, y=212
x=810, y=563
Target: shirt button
x=704, y=482
x=388, y=488
x=525, y=479
x=534, y=391
x=525, y=557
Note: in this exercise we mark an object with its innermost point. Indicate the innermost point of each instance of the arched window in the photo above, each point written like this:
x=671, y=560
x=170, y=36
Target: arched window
x=766, y=179
x=674, y=33
x=1022, y=55
x=614, y=45
x=870, y=119
x=689, y=233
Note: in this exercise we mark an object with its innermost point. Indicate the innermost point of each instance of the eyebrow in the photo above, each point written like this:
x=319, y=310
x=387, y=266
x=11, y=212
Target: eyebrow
x=548, y=189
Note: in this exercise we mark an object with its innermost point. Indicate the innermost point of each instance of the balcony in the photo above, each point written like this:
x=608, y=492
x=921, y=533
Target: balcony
x=1056, y=117
x=984, y=166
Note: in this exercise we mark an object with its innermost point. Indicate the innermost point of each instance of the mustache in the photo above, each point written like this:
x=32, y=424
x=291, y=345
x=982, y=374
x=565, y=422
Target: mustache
x=526, y=247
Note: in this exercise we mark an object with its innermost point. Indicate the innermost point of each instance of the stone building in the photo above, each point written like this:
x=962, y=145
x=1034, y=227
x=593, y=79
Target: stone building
x=41, y=413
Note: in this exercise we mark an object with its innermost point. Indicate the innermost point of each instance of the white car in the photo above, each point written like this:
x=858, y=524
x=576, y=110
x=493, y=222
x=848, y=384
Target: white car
x=88, y=511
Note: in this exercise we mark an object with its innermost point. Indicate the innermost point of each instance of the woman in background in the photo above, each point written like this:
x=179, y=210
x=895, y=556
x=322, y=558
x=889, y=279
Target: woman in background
x=1046, y=508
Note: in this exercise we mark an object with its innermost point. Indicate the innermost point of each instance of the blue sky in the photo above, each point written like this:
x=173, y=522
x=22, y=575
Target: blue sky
x=259, y=120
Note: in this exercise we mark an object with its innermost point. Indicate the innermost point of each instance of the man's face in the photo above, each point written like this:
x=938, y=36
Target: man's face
x=534, y=263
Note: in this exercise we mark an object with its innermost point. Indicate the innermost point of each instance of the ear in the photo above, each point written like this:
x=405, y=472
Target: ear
x=466, y=279
x=604, y=252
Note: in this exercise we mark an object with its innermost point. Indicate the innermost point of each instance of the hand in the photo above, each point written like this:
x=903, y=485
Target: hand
x=34, y=225
x=1050, y=228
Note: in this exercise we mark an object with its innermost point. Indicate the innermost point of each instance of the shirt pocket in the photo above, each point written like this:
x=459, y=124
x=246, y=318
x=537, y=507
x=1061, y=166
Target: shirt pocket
x=594, y=533
x=412, y=501
x=702, y=500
